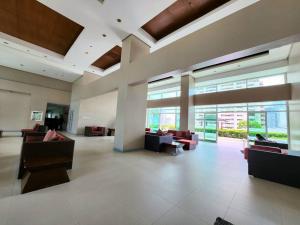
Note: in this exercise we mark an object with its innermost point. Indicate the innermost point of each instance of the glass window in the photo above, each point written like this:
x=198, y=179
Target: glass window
x=241, y=84
x=266, y=81
x=165, y=93
x=232, y=86
x=163, y=118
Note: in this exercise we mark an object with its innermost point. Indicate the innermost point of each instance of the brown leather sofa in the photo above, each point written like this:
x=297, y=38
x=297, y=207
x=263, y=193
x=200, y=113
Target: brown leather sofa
x=37, y=128
x=94, y=131
x=44, y=164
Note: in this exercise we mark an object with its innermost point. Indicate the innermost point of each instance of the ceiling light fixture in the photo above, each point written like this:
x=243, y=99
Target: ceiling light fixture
x=45, y=56
x=104, y=35
x=86, y=52
x=44, y=70
x=73, y=65
x=91, y=46
x=119, y=20
x=21, y=65
x=5, y=42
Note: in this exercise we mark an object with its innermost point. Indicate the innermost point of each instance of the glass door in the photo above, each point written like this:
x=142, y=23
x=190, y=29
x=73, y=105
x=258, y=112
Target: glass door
x=210, y=127
x=256, y=124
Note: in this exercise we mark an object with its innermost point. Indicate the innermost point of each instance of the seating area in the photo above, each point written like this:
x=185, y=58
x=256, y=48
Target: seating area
x=136, y=112
x=94, y=131
x=160, y=140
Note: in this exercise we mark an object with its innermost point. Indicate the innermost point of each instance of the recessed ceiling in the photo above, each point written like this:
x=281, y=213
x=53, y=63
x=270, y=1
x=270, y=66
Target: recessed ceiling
x=178, y=15
x=110, y=58
x=97, y=19
x=34, y=22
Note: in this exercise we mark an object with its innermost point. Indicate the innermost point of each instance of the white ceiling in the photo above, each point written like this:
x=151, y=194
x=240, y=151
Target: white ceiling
x=98, y=19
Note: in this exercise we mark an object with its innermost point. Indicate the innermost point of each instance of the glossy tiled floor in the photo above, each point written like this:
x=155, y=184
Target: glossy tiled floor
x=144, y=188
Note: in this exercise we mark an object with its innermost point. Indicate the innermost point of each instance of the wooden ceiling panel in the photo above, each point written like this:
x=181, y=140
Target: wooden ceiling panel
x=110, y=58
x=178, y=15
x=34, y=22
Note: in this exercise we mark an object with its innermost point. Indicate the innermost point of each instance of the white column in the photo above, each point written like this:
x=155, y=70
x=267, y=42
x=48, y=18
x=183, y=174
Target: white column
x=132, y=101
x=187, y=112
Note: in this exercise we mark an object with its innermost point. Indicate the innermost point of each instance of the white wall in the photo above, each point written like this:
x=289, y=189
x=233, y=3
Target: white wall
x=37, y=90
x=98, y=111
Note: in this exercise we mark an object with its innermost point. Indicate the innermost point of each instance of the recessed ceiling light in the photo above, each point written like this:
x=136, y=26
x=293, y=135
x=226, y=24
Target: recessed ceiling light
x=73, y=65
x=45, y=56
x=119, y=20
x=44, y=70
x=27, y=50
x=91, y=46
x=104, y=35
x=21, y=65
x=5, y=42
x=86, y=52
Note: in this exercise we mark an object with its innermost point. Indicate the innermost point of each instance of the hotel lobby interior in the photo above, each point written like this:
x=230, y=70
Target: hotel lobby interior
x=138, y=112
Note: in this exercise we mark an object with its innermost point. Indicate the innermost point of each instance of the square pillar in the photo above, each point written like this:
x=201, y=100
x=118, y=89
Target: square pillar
x=187, y=109
x=132, y=100
x=131, y=117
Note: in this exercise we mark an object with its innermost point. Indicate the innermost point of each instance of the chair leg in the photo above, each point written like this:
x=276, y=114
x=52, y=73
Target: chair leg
x=36, y=180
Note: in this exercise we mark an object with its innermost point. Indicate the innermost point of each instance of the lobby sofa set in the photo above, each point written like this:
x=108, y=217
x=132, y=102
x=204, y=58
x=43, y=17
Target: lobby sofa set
x=91, y=131
x=272, y=161
x=158, y=141
x=44, y=163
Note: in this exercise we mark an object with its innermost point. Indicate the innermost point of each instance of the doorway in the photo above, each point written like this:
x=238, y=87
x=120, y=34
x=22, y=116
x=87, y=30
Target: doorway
x=206, y=124
x=57, y=116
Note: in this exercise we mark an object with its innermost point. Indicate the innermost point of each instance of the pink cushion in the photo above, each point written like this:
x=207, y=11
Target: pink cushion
x=266, y=148
x=59, y=137
x=187, y=141
x=50, y=135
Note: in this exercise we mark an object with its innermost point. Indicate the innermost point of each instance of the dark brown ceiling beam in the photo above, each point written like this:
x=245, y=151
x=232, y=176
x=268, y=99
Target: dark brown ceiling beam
x=31, y=21
x=110, y=58
x=179, y=14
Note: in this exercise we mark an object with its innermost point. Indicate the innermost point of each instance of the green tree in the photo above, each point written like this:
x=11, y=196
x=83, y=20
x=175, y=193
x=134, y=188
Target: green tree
x=254, y=124
x=242, y=124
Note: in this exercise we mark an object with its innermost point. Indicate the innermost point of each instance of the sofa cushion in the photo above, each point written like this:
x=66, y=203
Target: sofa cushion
x=50, y=135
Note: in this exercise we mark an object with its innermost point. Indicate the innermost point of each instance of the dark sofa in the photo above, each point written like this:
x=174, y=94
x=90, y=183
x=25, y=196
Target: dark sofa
x=155, y=142
x=272, y=144
x=94, y=131
x=37, y=128
x=276, y=167
x=44, y=164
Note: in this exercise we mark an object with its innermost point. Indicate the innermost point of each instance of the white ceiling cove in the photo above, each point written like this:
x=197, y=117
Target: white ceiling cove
x=98, y=19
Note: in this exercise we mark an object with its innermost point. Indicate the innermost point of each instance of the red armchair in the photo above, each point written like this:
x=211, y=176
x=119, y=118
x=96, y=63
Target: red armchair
x=94, y=131
x=37, y=128
x=184, y=134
